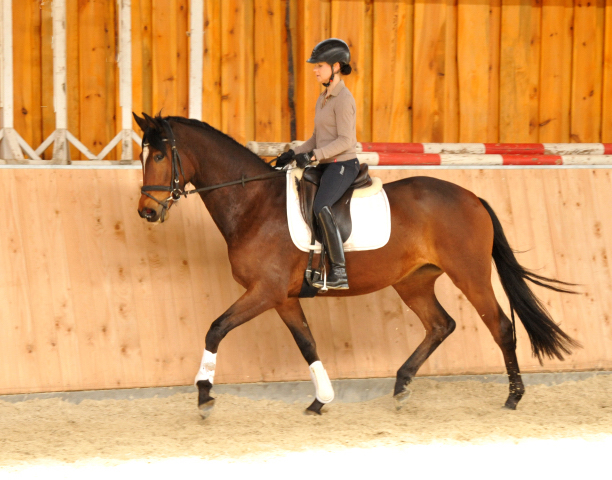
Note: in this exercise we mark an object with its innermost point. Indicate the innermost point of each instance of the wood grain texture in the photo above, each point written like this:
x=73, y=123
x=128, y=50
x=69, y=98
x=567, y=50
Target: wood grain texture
x=96, y=73
x=606, y=121
x=588, y=56
x=170, y=57
x=478, y=46
x=237, y=99
x=555, y=71
x=314, y=26
x=435, y=96
x=97, y=298
x=392, y=71
x=26, y=72
x=519, y=71
x=142, y=92
x=46, y=70
x=211, y=84
x=443, y=71
x=270, y=92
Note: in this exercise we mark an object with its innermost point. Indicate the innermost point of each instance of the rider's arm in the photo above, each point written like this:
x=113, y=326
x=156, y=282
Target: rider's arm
x=307, y=146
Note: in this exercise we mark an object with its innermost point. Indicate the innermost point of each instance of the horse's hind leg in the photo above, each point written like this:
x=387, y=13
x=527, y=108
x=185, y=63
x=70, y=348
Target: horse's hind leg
x=501, y=328
x=418, y=293
x=475, y=283
x=292, y=314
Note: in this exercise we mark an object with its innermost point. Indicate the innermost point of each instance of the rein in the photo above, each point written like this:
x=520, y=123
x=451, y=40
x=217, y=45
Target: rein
x=176, y=192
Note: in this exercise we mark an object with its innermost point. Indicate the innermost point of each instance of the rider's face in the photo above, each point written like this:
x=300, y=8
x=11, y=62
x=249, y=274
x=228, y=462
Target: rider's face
x=323, y=72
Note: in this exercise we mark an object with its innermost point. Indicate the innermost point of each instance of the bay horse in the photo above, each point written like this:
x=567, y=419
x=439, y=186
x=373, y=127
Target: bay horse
x=437, y=227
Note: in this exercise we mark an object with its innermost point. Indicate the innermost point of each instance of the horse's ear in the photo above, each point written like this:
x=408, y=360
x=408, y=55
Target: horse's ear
x=142, y=123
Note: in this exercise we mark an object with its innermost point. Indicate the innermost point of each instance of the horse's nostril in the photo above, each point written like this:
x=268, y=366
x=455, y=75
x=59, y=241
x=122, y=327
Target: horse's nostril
x=147, y=213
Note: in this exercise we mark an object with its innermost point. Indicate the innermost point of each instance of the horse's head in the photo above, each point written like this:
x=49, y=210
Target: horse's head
x=163, y=177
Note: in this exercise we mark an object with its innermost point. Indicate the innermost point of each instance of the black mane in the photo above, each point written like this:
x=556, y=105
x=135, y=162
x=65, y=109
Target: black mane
x=154, y=136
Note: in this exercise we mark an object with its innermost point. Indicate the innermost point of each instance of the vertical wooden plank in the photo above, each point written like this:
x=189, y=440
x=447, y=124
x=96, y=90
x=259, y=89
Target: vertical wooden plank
x=555, y=71
x=182, y=58
x=164, y=62
x=314, y=26
x=142, y=59
x=26, y=71
x=46, y=72
x=73, y=72
x=587, y=71
x=268, y=34
x=351, y=21
x=519, y=74
x=111, y=75
x=166, y=20
x=58, y=240
x=93, y=75
x=435, y=116
x=34, y=225
x=153, y=301
x=606, y=124
x=140, y=29
x=237, y=101
x=16, y=293
x=288, y=80
x=392, y=71
x=211, y=88
x=478, y=70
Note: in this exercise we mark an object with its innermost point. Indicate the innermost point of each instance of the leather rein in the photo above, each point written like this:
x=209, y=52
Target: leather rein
x=177, y=166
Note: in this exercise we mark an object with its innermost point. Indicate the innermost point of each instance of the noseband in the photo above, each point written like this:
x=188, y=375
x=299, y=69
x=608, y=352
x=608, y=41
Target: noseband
x=177, y=166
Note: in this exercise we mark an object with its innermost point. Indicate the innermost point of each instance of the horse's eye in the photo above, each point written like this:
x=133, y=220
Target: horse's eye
x=159, y=157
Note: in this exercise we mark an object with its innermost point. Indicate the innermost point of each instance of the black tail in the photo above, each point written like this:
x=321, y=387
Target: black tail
x=545, y=335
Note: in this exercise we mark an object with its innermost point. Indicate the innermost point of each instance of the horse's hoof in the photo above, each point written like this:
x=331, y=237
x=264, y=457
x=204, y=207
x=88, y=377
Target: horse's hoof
x=402, y=398
x=510, y=405
x=314, y=408
x=512, y=402
x=206, y=408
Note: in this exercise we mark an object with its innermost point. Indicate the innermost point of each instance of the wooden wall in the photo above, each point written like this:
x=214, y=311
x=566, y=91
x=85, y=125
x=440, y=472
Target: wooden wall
x=95, y=297
x=424, y=71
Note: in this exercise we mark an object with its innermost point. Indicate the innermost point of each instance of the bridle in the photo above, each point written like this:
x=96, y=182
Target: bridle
x=177, y=166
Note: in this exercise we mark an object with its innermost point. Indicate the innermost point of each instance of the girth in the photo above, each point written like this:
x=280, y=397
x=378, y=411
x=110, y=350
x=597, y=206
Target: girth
x=307, y=188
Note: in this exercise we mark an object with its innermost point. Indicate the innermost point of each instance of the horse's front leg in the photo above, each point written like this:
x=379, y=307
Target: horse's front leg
x=251, y=304
x=292, y=314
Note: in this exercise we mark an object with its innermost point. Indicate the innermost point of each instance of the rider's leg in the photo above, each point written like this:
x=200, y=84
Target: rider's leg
x=337, y=278
x=335, y=181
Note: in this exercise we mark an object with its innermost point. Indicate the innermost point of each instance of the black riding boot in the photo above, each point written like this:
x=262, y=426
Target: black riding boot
x=336, y=279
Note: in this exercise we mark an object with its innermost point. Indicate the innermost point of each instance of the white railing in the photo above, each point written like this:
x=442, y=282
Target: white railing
x=13, y=146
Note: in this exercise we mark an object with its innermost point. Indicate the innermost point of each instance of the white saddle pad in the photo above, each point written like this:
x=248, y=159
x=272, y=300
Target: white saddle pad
x=371, y=216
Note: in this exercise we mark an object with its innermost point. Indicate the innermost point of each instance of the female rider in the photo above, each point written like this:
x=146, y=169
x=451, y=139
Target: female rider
x=333, y=145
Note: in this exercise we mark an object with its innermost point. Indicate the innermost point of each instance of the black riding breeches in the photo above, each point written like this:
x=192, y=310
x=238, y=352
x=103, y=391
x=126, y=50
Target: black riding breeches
x=336, y=179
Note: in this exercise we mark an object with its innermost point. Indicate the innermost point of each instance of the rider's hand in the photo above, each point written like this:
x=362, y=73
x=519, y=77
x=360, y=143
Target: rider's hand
x=284, y=159
x=303, y=159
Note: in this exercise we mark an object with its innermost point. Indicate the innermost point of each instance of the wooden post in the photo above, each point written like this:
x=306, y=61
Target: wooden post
x=9, y=147
x=196, y=58
x=61, y=150
x=125, y=77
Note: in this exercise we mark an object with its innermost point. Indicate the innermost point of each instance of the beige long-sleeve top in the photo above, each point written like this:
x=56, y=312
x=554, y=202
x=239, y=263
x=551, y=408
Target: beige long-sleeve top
x=335, y=132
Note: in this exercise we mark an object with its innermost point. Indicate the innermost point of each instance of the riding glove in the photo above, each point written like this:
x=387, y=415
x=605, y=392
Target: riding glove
x=303, y=159
x=284, y=159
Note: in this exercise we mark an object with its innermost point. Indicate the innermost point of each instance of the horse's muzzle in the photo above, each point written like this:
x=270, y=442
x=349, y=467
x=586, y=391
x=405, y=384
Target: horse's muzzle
x=150, y=214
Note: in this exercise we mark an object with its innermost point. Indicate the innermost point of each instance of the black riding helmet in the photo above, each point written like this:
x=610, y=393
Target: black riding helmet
x=331, y=51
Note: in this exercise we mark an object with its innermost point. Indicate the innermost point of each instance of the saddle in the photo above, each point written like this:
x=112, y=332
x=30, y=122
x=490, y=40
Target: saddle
x=307, y=188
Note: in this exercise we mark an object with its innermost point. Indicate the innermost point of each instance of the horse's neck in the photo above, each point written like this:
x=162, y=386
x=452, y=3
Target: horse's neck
x=234, y=208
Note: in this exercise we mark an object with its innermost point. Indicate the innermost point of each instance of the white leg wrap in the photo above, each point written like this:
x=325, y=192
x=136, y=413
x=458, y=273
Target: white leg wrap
x=324, y=389
x=207, y=367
